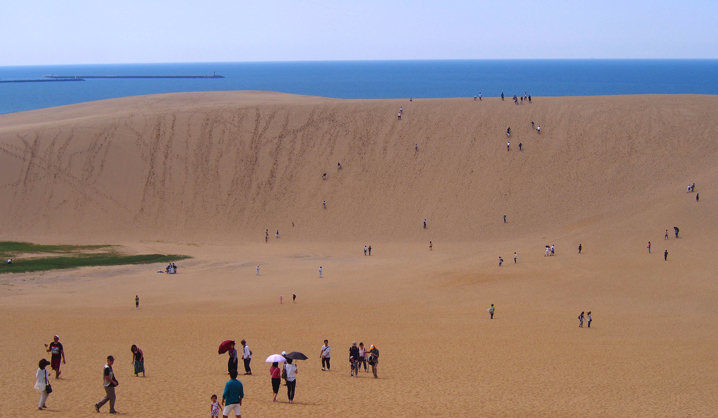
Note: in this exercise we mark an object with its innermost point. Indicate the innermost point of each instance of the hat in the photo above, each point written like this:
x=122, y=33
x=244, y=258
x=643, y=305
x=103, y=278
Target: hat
x=57, y=336
x=371, y=347
x=284, y=353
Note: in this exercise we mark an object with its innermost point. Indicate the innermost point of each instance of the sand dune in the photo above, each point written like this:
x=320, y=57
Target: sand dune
x=205, y=173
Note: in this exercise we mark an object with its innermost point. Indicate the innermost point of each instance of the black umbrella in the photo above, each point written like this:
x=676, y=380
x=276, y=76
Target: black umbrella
x=296, y=355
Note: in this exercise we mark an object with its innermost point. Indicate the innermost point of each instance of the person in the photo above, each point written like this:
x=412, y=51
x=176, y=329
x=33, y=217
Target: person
x=416, y=147
x=588, y=319
x=42, y=383
x=370, y=250
x=326, y=355
x=502, y=96
x=666, y=236
x=109, y=382
x=57, y=353
x=492, y=309
x=553, y=249
x=529, y=98
x=504, y=218
x=232, y=396
x=649, y=247
x=324, y=176
x=532, y=124
x=138, y=360
x=398, y=116
x=675, y=230
x=481, y=96
x=257, y=269
x=214, y=407
x=431, y=246
x=354, y=359
x=401, y=108
x=9, y=260
x=137, y=302
x=246, y=356
x=521, y=146
x=476, y=98
x=508, y=145
x=580, y=320
x=508, y=132
x=373, y=359
x=294, y=298
x=362, y=357
x=424, y=223
x=276, y=235
x=665, y=255
x=697, y=199
x=233, y=360
x=291, y=371
x=339, y=166
x=548, y=249
x=580, y=247
x=324, y=204
x=365, y=249
x=538, y=129
x=321, y=270
x=516, y=257
x=276, y=379
x=501, y=261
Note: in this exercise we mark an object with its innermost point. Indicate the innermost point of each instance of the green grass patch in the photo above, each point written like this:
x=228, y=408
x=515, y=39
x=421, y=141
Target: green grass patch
x=71, y=256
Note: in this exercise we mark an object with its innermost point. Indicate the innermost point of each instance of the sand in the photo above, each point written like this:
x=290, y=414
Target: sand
x=204, y=174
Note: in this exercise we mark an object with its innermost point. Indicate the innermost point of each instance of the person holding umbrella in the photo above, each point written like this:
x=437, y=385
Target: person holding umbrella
x=275, y=372
x=227, y=346
x=291, y=371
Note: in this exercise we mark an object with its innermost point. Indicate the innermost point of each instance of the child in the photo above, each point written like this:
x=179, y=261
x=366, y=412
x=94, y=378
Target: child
x=214, y=407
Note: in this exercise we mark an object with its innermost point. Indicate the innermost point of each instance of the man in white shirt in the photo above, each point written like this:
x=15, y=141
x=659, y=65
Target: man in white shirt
x=247, y=357
x=321, y=270
x=326, y=355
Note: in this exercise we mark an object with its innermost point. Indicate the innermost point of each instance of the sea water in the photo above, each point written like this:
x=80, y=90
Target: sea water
x=368, y=79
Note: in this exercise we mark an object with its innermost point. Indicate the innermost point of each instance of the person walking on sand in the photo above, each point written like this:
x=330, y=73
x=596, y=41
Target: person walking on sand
x=276, y=379
x=675, y=230
x=666, y=236
x=233, y=361
x=501, y=261
x=502, y=96
x=492, y=309
x=365, y=249
x=588, y=319
x=57, y=353
x=580, y=248
x=548, y=249
x=324, y=204
x=370, y=250
x=431, y=246
x=138, y=360
x=354, y=359
x=294, y=298
x=321, y=270
x=504, y=218
x=424, y=223
x=580, y=320
x=516, y=257
x=137, y=302
x=109, y=382
x=649, y=247
x=326, y=356
x=697, y=197
x=257, y=269
x=232, y=396
x=373, y=359
x=246, y=356
x=214, y=407
x=665, y=255
x=291, y=372
x=362, y=357
x=276, y=235
x=553, y=249
x=508, y=145
x=42, y=383
x=521, y=146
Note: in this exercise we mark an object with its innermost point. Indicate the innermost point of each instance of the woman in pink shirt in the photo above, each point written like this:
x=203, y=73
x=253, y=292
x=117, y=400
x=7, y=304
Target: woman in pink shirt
x=276, y=379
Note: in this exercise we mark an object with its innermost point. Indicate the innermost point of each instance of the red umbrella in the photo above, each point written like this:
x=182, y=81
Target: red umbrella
x=225, y=346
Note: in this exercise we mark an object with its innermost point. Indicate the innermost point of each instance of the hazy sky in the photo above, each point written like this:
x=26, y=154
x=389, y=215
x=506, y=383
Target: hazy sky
x=113, y=31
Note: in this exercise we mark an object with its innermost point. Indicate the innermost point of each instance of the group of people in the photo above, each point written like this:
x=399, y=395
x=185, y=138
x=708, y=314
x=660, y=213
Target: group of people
x=401, y=111
x=171, y=268
x=551, y=250
x=586, y=317
x=359, y=356
x=367, y=250
x=233, y=362
x=516, y=259
x=109, y=381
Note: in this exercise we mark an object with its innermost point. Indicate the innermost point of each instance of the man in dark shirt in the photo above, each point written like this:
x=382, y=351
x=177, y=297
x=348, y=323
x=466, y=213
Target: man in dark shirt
x=58, y=353
x=354, y=358
x=373, y=359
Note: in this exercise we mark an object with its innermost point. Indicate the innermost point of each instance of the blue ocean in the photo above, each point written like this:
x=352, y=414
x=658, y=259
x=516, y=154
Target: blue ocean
x=368, y=79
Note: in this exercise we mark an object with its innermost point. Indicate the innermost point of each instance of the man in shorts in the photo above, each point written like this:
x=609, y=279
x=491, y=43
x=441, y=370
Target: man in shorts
x=58, y=353
x=232, y=396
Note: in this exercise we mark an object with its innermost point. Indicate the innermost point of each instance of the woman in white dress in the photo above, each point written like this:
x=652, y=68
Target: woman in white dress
x=42, y=383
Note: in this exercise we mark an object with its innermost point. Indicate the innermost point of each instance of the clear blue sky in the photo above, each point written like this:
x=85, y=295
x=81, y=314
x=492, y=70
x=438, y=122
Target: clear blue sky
x=123, y=31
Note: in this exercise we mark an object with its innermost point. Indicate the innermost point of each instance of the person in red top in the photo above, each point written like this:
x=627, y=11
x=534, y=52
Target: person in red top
x=276, y=379
x=58, y=353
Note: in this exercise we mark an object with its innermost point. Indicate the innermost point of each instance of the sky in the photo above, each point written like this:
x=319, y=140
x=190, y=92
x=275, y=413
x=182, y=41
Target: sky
x=38, y=32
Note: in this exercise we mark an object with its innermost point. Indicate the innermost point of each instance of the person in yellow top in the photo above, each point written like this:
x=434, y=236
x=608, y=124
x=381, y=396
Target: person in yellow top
x=491, y=311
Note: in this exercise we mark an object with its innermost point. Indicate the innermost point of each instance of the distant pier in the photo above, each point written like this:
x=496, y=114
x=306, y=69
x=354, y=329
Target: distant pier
x=41, y=80
x=72, y=77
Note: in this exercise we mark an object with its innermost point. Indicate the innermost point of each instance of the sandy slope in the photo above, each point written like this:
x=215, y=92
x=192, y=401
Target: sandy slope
x=204, y=174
